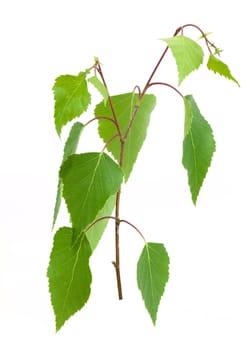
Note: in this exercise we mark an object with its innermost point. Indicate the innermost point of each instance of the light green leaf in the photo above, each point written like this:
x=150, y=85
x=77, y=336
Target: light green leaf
x=152, y=275
x=70, y=148
x=71, y=98
x=187, y=53
x=94, y=234
x=89, y=179
x=198, y=146
x=69, y=275
x=217, y=66
x=100, y=87
x=123, y=106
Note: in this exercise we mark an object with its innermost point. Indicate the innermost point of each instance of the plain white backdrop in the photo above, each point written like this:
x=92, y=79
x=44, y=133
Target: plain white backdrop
x=205, y=305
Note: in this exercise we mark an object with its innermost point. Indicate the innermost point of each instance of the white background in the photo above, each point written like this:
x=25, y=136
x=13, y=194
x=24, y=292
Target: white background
x=205, y=305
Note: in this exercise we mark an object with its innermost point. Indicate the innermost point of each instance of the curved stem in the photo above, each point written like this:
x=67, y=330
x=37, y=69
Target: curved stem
x=135, y=228
x=109, y=141
x=108, y=217
x=102, y=117
x=168, y=85
x=208, y=43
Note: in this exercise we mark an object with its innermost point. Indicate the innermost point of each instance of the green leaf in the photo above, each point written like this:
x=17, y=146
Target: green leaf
x=94, y=234
x=123, y=106
x=89, y=179
x=198, y=146
x=70, y=148
x=187, y=53
x=152, y=276
x=71, y=98
x=69, y=275
x=100, y=87
x=217, y=66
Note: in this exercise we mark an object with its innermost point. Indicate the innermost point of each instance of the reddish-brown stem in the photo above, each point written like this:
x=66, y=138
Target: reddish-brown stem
x=109, y=99
x=107, y=217
x=106, y=118
x=118, y=195
x=123, y=139
x=208, y=43
x=117, y=224
x=135, y=228
x=153, y=72
x=168, y=85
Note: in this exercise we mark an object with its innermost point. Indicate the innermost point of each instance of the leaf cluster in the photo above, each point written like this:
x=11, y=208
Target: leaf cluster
x=90, y=183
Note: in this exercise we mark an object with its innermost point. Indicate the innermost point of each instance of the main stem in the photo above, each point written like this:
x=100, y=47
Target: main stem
x=117, y=225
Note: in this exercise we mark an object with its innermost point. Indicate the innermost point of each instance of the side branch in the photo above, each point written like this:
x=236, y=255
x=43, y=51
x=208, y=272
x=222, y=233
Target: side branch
x=168, y=85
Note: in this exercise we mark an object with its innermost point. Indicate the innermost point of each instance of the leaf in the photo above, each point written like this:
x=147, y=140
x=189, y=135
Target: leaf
x=69, y=275
x=70, y=148
x=187, y=53
x=71, y=98
x=123, y=106
x=100, y=87
x=152, y=276
x=198, y=146
x=89, y=179
x=217, y=66
x=94, y=234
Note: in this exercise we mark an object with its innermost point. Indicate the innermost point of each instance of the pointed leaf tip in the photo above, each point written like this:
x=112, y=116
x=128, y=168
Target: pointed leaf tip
x=71, y=98
x=69, y=149
x=152, y=276
x=198, y=146
x=69, y=275
x=187, y=53
x=217, y=66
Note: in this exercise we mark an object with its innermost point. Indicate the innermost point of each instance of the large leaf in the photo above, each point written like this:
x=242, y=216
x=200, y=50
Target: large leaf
x=70, y=148
x=152, y=275
x=89, y=179
x=123, y=106
x=187, y=53
x=217, y=66
x=71, y=98
x=198, y=146
x=69, y=275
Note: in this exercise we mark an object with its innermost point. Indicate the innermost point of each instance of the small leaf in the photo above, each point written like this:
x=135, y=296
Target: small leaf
x=204, y=35
x=217, y=66
x=70, y=148
x=69, y=275
x=94, y=234
x=71, y=98
x=152, y=275
x=198, y=146
x=123, y=106
x=89, y=179
x=100, y=87
x=187, y=53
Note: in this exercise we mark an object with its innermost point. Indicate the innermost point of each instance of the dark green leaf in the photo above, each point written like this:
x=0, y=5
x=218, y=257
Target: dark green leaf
x=124, y=106
x=187, y=53
x=198, y=146
x=100, y=87
x=70, y=148
x=217, y=66
x=152, y=275
x=69, y=275
x=89, y=179
x=71, y=98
